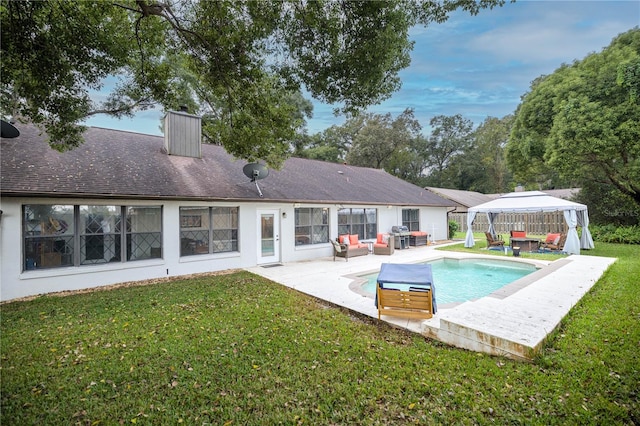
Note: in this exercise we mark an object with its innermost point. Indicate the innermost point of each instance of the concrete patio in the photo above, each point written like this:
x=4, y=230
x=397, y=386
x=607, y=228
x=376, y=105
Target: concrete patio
x=512, y=322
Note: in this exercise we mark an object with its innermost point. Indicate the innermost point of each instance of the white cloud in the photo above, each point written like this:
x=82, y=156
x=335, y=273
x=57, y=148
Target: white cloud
x=480, y=66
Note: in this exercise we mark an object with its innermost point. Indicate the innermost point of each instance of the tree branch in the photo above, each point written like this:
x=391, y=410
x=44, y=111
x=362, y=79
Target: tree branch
x=123, y=109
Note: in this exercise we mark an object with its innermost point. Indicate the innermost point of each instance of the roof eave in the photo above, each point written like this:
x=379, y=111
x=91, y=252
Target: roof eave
x=47, y=194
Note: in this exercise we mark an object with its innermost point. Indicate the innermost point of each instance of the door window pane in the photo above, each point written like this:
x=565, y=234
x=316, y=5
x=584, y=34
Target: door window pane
x=267, y=236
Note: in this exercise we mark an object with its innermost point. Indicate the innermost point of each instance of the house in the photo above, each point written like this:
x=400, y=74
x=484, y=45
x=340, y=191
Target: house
x=126, y=206
x=461, y=199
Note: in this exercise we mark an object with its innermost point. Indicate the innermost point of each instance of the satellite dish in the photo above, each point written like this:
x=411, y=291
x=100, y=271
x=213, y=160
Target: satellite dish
x=8, y=130
x=255, y=172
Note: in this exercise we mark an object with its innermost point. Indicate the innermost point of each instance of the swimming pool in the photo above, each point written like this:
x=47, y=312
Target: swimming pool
x=457, y=281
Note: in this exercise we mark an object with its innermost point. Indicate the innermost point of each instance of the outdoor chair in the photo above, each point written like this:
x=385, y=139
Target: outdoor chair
x=494, y=242
x=557, y=244
x=384, y=244
x=348, y=246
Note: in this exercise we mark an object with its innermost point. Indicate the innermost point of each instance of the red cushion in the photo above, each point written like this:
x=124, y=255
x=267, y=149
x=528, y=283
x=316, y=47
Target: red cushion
x=519, y=234
x=551, y=238
x=343, y=239
x=419, y=234
x=379, y=239
x=353, y=239
x=380, y=245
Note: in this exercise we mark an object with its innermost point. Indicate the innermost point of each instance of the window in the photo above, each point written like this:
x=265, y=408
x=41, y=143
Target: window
x=363, y=222
x=48, y=236
x=411, y=219
x=100, y=229
x=144, y=233
x=205, y=230
x=312, y=226
x=67, y=235
x=225, y=229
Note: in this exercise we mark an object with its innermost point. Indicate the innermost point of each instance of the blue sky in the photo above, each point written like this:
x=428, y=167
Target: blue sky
x=477, y=66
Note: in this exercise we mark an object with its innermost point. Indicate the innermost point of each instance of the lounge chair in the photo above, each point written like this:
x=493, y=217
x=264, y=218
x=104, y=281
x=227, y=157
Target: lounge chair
x=555, y=244
x=494, y=242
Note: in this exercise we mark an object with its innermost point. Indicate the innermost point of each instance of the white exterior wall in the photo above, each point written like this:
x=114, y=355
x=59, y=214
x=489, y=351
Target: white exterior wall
x=15, y=283
x=435, y=223
x=432, y=220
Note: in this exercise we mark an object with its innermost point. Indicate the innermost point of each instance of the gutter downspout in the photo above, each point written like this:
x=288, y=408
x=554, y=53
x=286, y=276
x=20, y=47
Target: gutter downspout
x=450, y=211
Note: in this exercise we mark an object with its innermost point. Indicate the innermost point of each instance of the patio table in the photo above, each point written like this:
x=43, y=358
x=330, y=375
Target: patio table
x=525, y=244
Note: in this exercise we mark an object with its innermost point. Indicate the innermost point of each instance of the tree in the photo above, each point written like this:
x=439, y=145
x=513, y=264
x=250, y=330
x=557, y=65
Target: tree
x=486, y=162
x=334, y=143
x=235, y=62
x=583, y=121
x=410, y=162
x=607, y=205
x=380, y=137
x=451, y=137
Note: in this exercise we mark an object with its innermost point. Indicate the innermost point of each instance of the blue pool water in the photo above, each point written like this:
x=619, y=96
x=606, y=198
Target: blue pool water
x=457, y=281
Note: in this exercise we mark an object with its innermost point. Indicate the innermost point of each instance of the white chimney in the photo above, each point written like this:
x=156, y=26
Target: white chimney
x=182, y=134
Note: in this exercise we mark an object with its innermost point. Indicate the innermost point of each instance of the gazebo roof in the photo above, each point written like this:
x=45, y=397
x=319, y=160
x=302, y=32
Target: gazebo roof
x=527, y=202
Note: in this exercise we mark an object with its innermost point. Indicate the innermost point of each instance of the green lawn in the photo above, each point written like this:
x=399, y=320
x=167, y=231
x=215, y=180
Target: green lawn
x=238, y=349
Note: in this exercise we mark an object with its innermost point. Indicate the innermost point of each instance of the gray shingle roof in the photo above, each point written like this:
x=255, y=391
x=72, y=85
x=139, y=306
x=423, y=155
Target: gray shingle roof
x=460, y=197
x=120, y=164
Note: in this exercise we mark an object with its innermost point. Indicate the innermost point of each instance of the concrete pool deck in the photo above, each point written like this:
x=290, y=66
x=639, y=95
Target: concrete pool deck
x=513, y=322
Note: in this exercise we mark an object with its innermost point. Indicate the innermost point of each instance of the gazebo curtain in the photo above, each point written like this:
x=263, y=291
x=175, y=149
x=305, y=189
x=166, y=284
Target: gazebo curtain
x=586, y=241
x=468, y=242
x=491, y=216
x=572, y=245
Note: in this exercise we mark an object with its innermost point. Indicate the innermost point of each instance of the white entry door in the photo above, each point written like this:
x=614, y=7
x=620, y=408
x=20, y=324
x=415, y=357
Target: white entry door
x=268, y=236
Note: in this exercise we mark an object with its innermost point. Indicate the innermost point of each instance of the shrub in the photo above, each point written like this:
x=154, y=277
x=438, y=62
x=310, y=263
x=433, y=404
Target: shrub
x=615, y=234
x=453, y=228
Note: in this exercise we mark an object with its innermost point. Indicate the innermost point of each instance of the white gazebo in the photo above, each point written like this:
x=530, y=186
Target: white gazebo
x=575, y=214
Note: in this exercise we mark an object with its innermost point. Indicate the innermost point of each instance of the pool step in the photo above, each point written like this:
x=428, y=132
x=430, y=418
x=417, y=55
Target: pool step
x=489, y=325
x=525, y=281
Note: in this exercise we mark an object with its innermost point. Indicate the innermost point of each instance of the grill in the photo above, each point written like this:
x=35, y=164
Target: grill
x=401, y=236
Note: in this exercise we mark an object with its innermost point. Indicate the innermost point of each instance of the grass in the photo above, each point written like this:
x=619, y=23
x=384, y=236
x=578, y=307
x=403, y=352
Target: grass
x=239, y=349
